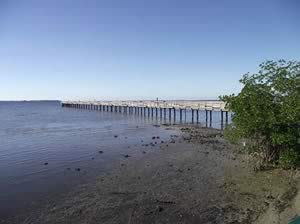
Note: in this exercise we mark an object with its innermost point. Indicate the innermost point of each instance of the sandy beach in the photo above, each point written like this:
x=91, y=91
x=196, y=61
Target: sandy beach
x=194, y=177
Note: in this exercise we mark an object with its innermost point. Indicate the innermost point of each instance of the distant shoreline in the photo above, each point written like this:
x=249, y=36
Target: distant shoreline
x=20, y=101
x=210, y=100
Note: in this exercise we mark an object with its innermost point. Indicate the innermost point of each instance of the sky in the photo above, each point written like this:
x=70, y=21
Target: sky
x=138, y=49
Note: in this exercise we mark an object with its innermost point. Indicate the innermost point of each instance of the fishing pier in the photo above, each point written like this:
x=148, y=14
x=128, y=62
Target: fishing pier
x=159, y=109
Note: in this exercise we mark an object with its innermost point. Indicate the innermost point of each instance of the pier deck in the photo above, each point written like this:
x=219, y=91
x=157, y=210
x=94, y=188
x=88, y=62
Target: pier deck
x=177, y=104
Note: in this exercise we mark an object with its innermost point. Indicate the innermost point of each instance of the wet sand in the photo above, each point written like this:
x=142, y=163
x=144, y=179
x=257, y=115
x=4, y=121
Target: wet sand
x=194, y=177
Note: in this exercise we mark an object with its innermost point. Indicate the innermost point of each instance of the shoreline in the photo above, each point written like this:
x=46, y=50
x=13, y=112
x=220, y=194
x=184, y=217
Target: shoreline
x=195, y=177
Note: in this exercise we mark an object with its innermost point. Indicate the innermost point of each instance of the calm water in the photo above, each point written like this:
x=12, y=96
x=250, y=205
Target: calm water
x=35, y=133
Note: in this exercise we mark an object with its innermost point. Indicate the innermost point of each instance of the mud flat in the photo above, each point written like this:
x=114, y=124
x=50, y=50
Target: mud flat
x=194, y=177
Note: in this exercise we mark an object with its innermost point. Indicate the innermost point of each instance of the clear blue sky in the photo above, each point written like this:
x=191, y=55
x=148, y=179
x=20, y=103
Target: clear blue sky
x=138, y=49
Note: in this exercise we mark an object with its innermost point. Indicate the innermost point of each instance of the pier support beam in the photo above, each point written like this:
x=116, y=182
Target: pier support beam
x=222, y=122
x=210, y=118
x=206, y=118
x=180, y=114
x=174, y=114
x=192, y=115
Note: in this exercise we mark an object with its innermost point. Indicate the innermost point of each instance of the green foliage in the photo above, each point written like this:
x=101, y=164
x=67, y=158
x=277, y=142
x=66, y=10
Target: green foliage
x=289, y=159
x=267, y=110
x=231, y=134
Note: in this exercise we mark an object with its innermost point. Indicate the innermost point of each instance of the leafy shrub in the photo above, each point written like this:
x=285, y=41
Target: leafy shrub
x=267, y=111
x=289, y=159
